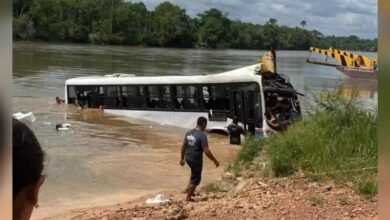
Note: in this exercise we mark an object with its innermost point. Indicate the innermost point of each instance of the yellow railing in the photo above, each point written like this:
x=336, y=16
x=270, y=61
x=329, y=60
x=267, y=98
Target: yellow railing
x=346, y=58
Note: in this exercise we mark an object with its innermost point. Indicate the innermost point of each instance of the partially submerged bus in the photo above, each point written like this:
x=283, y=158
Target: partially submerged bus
x=262, y=101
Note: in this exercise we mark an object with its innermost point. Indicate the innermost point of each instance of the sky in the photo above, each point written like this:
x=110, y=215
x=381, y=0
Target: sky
x=330, y=17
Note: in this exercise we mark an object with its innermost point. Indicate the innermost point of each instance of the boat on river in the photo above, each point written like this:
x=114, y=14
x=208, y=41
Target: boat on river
x=354, y=65
x=262, y=100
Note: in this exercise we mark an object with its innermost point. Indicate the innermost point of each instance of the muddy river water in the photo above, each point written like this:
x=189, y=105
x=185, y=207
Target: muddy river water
x=107, y=159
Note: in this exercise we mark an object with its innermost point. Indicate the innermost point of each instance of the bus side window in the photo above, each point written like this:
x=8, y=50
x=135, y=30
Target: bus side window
x=112, y=91
x=220, y=97
x=111, y=97
x=186, y=97
x=132, y=98
x=191, y=98
x=94, y=98
x=71, y=95
x=141, y=99
x=178, y=97
x=206, y=97
x=83, y=95
x=101, y=95
x=166, y=98
x=153, y=96
x=125, y=94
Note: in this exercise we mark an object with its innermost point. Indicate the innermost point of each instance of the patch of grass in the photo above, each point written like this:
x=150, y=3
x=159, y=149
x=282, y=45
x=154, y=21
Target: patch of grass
x=250, y=150
x=316, y=200
x=234, y=168
x=212, y=187
x=247, y=154
x=266, y=171
x=368, y=188
x=337, y=140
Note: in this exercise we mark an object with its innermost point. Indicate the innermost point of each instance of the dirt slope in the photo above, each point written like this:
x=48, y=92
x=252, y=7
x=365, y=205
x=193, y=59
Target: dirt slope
x=252, y=198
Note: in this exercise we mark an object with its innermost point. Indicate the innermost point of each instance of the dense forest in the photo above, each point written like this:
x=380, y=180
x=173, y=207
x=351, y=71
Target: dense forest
x=168, y=25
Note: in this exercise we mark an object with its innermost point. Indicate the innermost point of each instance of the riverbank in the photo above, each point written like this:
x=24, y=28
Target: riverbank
x=338, y=141
x=255, y=198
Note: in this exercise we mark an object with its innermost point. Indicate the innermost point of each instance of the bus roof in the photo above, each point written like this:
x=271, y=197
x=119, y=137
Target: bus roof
x=244, y=74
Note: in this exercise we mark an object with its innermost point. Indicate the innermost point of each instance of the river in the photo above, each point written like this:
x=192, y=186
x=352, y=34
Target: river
x=107, y=159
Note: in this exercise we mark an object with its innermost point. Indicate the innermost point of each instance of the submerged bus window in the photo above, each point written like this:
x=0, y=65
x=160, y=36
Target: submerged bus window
x=110, y=97
x=153, y=96
x=166, y=98
x=111, y=91
x=220, y=97
x=206, y=97
x=132, y=97
x=187, y=97
x=83, y=95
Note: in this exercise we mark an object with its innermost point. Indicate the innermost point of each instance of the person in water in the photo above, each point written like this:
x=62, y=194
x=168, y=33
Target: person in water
x=194, y=144
x=235, y=132
x=27, y=162
x=59, y=100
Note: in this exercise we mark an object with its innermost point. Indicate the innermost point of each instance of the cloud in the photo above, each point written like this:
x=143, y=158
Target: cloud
x=331, y=17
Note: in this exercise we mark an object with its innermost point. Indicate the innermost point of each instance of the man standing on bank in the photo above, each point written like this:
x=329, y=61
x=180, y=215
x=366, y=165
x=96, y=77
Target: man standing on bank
x=235, y=131
x=194, y=144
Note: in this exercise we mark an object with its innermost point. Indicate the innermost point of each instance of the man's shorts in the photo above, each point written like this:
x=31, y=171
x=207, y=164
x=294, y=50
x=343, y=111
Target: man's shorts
x=196, y=172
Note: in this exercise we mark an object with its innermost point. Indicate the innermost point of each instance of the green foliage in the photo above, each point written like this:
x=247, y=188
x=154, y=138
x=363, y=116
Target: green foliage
x=303, y=23
x=130, y=23
x=213, y=187
x=337, y=140
x=272, y=34
x=250, y=150
x=368, y=188
x=214, y=29
x=337, y=136
x=23, y=28
x=172, y=26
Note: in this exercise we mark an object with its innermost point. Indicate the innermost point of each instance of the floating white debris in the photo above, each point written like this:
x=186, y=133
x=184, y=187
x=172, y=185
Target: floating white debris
x=159, y=199
x=63, y=127
x=28, y=116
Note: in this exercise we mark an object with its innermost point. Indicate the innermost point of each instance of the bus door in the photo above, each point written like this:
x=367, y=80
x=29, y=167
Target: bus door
x=244, y=108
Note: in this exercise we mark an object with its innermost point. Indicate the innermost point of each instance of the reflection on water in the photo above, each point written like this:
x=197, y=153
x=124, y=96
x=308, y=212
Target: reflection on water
x=107, y=159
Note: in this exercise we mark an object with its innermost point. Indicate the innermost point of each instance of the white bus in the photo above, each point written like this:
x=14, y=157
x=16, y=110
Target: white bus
x=178, y=101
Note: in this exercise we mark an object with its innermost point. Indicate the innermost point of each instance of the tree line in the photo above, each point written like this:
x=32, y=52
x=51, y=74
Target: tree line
x=168, y=25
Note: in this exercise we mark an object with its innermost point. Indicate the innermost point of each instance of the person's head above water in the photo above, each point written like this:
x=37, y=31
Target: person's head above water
x=27, y=162
x=59, y=100
x=235, y=120
x=201, y=123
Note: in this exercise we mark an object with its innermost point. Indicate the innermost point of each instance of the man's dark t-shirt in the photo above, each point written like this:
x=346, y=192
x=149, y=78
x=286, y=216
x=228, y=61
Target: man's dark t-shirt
x=235, y=132
x=196, y=142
